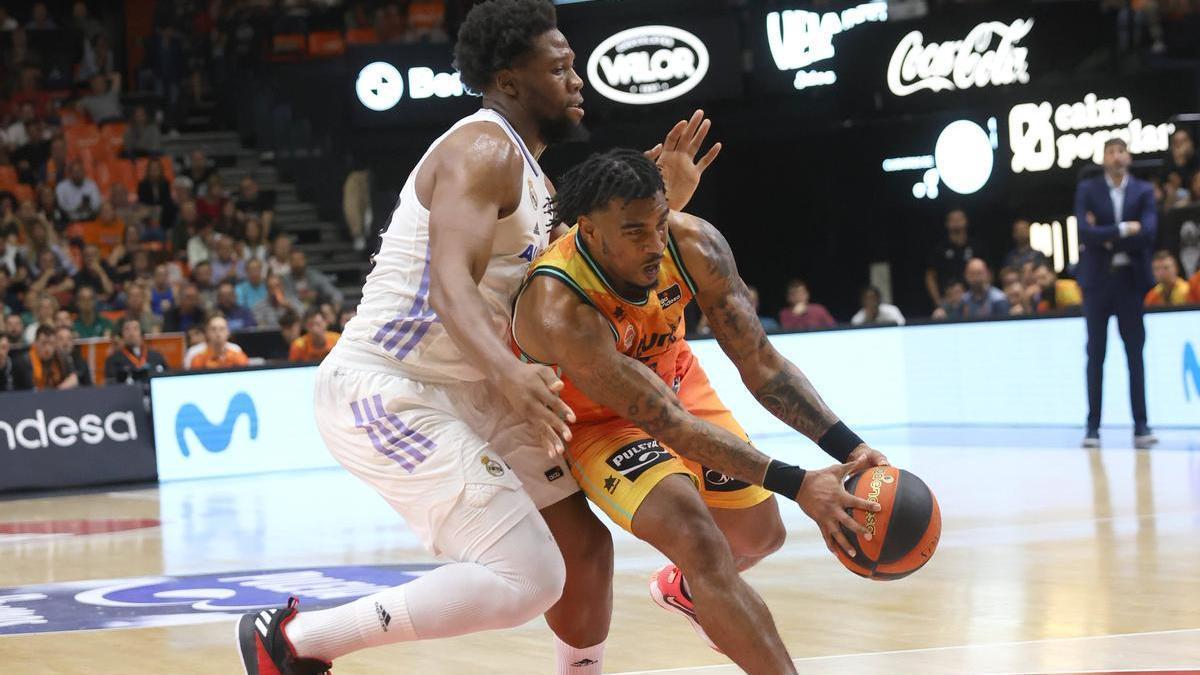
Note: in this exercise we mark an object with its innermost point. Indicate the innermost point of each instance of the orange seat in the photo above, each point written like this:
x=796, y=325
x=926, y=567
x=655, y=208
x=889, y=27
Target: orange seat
x=168, y=168
x=325, y=43
x=122, y=171
x=24, y=193
x=289, y=43
x=426, y=14
x=8, y=178
x=81, y=136
x=104, y=235
x=113, y=135
x=102, y=174
x=362, y=36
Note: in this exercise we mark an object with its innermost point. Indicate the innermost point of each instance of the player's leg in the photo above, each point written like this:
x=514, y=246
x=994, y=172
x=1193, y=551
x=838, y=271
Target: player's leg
x=675, y=520
x=753, y=533
x=463, y=503
x=747, y=514
x=581, y=617
x=649, y=492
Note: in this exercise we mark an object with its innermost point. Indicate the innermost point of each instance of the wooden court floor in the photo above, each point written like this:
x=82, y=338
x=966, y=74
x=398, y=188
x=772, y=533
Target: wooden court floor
x=1053, y=559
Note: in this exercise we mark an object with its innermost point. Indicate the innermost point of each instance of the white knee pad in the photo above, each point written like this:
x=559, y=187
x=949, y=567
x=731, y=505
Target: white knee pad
x=529, y=566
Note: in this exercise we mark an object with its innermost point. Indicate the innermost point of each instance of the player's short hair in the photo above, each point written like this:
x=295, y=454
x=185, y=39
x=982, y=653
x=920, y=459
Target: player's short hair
x=495, y=34
x=1164, y=255
x=1116, y=141
x=617, y=174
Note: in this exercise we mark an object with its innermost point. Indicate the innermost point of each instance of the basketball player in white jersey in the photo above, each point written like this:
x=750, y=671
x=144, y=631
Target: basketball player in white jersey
x=423, y=400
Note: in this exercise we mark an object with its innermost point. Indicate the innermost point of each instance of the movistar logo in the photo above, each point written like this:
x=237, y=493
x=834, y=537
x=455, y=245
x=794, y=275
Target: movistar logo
x=1191, y=366
x=215, y=437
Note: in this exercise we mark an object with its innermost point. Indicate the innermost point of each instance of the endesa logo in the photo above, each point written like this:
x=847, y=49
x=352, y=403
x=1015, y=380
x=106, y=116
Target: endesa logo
x=380, y=86
x=37, y=432
x=214, y=437
x=648, y=64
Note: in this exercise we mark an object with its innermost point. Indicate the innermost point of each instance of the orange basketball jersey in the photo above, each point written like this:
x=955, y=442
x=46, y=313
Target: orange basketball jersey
x=650, y=330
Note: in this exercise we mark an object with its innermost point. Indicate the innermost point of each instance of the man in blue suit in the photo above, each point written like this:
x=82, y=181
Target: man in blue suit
x=1117, y=220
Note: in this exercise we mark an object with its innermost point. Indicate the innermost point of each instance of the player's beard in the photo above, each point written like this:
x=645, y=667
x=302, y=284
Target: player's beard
x=561, y=130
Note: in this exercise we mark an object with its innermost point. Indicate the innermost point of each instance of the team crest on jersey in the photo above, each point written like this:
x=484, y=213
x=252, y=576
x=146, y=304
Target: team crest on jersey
x=630, y=334
x=493, y=467
x=670, y=296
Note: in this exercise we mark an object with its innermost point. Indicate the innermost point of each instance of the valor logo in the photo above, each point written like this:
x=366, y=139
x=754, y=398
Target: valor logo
x=648, y=64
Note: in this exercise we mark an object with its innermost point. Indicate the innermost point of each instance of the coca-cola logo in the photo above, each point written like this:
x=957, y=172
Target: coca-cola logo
x=989, y=56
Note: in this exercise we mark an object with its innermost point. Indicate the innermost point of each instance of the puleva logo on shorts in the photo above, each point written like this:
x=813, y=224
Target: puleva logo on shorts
x=648, y=64
x=634, y=459
x=215, y=437
x=1191, y=372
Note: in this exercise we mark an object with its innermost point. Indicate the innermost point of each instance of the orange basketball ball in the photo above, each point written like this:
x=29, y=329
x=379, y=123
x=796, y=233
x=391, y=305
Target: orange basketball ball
x=904, y=533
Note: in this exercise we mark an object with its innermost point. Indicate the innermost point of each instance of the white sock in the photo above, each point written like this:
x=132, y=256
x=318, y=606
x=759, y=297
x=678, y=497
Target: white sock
x=516, y=580
x=578, y=661
x=367, y=622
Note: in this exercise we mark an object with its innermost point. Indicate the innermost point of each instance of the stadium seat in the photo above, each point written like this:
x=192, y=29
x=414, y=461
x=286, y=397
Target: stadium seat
x=326, y=43
x=165, y=162
x=81, y=137
x=24, y=193
x=8, y=178
x=114, y=137
x=122, y=171
x=362, y=36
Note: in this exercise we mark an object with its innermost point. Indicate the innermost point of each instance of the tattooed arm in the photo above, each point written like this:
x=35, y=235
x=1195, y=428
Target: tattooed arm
x=723, y=297
x=554, y=325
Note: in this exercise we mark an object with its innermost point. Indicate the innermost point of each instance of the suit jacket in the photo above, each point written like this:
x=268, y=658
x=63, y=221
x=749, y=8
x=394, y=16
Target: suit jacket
x=1104, y=238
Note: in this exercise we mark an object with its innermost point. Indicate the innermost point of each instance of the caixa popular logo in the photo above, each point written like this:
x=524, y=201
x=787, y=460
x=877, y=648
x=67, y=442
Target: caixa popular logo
x=648, y=64
x=214, y=437
x=1191, y=372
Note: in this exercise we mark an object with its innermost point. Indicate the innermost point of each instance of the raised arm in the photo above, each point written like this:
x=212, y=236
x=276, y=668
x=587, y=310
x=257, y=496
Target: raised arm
x=554, y=325
x=474, y=183
x=775, y=382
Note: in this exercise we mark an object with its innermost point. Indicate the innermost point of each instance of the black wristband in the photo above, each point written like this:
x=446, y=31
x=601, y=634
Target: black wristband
x=784, y=479
x=839, y=441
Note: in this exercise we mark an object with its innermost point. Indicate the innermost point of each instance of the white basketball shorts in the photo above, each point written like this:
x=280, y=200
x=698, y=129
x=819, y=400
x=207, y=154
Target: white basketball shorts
x=431, y=449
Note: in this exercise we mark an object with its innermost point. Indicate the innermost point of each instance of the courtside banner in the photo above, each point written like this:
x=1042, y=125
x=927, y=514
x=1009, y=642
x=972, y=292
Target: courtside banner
x=78, y=437
x=234, y=423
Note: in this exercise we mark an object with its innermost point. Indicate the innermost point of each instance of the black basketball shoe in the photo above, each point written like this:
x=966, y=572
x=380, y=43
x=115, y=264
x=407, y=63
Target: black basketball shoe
x=265, y=648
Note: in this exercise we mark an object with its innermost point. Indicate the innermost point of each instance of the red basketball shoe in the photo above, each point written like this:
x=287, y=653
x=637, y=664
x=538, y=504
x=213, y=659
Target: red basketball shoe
x=666, y=590
x=265, y=648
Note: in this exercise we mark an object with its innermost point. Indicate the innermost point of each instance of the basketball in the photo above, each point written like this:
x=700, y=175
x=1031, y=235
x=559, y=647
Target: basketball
x=904, y=533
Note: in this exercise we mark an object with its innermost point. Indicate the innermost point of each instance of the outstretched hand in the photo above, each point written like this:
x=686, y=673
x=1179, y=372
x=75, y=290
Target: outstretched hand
x=676, y=158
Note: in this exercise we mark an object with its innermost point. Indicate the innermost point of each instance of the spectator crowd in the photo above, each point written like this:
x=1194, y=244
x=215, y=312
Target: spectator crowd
x=104, y=234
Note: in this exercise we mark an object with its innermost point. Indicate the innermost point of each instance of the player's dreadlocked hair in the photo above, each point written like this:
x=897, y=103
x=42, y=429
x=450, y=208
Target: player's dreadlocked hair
x=495, y=34
x=616, y=174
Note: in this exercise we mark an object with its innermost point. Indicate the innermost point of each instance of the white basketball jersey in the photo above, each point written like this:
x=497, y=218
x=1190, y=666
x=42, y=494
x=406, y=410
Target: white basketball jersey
x=395, y=327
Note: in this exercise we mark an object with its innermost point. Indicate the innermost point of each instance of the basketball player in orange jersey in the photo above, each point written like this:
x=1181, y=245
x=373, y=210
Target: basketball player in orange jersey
x=604, y=304
x=423, y=400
